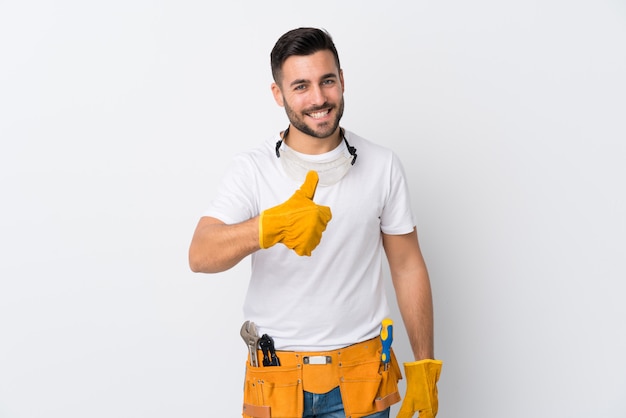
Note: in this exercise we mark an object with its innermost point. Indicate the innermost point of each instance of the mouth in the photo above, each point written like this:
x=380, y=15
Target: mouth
x=320, y=114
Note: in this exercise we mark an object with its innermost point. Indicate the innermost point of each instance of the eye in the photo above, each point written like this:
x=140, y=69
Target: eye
x=299, y=87
x=328, y=82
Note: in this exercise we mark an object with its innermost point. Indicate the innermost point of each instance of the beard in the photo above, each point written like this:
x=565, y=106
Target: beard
x=323, y=130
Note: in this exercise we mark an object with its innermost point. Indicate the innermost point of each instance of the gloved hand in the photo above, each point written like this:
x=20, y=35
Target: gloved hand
x=421, y=389
x=298, y=223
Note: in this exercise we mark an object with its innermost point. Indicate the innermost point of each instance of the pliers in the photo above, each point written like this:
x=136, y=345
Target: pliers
x=269, y=352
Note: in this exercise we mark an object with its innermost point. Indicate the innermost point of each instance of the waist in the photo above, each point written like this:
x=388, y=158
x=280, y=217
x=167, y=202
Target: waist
x=322, y=370
x=302, y=336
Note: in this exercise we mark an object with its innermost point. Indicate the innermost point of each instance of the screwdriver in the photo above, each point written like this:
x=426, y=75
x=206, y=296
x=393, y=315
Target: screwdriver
x=386, y=337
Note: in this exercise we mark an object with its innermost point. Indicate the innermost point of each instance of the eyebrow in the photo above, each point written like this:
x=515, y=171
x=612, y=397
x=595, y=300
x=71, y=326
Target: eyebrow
x=304, y=81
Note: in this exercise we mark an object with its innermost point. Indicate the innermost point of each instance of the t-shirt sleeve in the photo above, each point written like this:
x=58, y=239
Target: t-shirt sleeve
x=235, y=201
x=397, y=217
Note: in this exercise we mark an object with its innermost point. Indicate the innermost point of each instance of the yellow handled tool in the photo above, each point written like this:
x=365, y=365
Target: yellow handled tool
x=386, y=337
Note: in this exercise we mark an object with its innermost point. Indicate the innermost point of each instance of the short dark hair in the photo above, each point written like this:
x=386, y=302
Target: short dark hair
x=301, y=41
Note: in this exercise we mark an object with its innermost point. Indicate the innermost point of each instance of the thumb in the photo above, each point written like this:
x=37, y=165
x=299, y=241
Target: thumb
x=310, y=184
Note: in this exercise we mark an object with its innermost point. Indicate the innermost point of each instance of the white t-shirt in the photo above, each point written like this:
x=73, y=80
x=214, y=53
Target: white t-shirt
x=335, y=297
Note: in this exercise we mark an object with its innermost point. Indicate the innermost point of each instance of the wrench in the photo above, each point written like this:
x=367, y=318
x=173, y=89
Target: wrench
x=251, y=338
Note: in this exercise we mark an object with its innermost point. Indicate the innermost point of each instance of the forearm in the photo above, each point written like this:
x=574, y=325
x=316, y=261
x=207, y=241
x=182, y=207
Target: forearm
x=412, y=288
x=415, y=302
x=216, y=246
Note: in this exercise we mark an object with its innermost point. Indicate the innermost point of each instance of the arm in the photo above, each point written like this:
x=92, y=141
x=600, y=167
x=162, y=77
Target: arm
x=298, y=223
x=412, y=288
x=216, y=246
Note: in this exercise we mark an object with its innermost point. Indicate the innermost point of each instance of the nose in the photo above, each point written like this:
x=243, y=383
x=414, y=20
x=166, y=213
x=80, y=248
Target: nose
x=317, y=96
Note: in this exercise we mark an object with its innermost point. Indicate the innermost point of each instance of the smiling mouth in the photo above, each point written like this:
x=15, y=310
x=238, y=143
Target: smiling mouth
x=320, y=114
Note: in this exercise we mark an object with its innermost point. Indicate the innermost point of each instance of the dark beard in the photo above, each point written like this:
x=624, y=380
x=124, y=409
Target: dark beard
x=300, y=125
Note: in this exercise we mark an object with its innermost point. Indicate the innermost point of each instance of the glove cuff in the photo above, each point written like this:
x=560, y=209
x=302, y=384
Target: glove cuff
x=424, y=362
x=261, y=243
x=269, y=232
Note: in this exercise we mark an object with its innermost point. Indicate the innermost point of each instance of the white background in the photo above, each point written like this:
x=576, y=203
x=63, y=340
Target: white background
x=117, y=118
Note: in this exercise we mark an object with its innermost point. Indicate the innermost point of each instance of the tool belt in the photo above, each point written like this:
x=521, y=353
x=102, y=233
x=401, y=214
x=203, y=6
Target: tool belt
x=366, y=387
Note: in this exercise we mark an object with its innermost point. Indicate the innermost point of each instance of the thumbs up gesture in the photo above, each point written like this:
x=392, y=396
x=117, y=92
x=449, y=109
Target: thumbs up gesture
x=298, y=223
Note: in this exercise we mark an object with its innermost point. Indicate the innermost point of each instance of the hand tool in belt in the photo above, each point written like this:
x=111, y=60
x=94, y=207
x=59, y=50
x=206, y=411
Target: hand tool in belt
x=386, y=337
x=251, y=337
x=269, y=352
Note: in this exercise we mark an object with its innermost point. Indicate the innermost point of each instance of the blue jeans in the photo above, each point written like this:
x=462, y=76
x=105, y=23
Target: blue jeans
x=329, y=405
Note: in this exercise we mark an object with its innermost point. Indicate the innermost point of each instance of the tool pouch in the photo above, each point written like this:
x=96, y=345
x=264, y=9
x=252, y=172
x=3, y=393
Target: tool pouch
x=388, y=393
x=367, y=388
x=274, y=392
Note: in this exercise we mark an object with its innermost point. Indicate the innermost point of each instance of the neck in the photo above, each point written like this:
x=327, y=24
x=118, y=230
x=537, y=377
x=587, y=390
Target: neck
x=307, y=144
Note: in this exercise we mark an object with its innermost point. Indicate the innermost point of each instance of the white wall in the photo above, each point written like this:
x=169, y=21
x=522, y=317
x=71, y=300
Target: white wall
x=118, y=117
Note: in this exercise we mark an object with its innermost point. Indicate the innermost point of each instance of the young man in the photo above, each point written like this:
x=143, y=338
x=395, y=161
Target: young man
x=316, y=288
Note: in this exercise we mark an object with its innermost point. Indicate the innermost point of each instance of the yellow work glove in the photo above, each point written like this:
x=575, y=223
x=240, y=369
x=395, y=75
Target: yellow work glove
x=298, y=223
x=421, y=389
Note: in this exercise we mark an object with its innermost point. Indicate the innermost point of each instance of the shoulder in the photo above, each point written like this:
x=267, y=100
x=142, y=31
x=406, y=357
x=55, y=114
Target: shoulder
x=371, y=151
x=356, y=139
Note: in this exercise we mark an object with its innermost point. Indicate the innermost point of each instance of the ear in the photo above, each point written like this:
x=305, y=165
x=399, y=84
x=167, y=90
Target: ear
x=343, y=86
x=278, y=95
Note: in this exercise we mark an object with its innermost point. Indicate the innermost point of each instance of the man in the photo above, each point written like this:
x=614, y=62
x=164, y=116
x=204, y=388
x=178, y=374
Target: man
x=316, y=289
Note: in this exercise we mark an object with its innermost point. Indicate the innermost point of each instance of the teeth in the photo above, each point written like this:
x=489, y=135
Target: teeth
x=318, y=115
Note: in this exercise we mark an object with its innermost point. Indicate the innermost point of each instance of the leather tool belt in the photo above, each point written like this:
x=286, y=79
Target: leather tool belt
x=366, y=388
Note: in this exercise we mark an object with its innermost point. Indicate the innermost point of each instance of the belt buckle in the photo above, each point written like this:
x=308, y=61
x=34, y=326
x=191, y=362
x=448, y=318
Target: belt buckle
x=317, y=359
